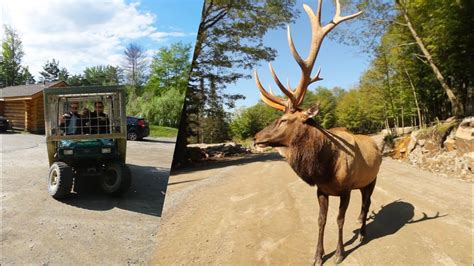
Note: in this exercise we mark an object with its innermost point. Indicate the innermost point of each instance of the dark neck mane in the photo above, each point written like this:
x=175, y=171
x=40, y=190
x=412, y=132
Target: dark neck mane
x=311, y=154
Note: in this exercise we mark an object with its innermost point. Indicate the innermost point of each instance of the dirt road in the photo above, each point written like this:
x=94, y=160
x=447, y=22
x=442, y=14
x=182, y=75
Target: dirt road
x=88, y=228
x=255, y=210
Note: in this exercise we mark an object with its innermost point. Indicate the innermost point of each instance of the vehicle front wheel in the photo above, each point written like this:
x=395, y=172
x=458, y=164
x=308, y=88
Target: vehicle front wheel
x=116, y=179
x=132, y=135
x=60, y=180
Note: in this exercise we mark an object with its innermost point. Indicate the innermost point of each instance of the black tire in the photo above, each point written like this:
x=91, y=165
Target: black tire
x=116, y=179
x=132, y=135
x=60, y=180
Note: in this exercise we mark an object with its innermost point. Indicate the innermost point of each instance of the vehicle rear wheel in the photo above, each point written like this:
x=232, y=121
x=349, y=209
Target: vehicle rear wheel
x=60, y=180
x=132, y=135
x=116, y=179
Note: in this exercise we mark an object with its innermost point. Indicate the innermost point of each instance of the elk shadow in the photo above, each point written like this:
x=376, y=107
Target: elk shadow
x=146, y=194
x=387, y=221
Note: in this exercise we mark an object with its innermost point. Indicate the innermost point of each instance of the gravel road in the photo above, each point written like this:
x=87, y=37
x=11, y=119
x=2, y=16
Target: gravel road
x=87, y=228
x=254, y=210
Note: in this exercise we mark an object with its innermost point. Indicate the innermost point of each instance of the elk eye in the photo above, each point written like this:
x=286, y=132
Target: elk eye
x=283, y=121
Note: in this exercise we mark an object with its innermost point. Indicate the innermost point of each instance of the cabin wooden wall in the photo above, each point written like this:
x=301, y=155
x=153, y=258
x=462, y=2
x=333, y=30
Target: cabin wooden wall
x=36, y=114
x=15, y=111
x=2, y=103
x=27, y=115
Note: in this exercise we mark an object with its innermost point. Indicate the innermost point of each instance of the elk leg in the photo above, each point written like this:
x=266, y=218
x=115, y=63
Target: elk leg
x=345, y=198
x=366, y=194
x=323, y=200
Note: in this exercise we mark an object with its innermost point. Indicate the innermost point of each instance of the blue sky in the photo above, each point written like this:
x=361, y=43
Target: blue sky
x=85, y=33
x=340, y=65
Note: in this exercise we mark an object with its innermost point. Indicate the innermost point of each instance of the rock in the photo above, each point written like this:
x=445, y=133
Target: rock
x=412, y=144
x=464, y=137
x=431, y=147
x=195, y=154
x=449, y=144
x=421, y=142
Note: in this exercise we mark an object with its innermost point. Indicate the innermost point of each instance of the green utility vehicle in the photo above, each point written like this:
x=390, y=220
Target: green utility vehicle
x=86, y=136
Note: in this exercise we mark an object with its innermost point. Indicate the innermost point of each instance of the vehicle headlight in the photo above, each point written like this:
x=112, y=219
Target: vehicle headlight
x=68, y=152
x=106, y=150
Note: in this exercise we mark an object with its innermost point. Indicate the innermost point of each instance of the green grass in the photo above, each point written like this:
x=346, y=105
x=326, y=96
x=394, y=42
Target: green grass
x=165, y=132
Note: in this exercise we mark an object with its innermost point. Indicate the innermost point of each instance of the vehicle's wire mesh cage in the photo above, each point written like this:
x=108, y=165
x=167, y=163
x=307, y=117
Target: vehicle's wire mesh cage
x=84, y=114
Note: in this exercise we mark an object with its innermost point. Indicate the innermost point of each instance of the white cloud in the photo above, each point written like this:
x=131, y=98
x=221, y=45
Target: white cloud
x=78, y=33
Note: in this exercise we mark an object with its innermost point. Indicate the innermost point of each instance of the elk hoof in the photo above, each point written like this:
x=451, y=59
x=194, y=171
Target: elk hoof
x=338, y=258
x=318, y=262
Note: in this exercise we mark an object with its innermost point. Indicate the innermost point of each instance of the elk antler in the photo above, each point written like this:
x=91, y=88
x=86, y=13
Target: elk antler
x=318, y=32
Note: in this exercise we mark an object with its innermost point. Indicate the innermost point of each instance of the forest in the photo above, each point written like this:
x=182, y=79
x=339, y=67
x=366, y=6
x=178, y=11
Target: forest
x=421, y=69
x=155, y=86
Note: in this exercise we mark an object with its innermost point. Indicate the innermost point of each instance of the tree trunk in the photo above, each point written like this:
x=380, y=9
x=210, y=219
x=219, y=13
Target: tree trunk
x=179, y=156
x=456, y=105
x=420, y=122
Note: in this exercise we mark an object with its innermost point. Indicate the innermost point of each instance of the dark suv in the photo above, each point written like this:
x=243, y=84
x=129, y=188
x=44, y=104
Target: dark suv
x=137, y=128
x=4, y=124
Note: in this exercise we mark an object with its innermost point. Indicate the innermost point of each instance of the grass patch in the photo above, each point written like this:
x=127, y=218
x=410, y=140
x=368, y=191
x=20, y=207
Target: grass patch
x=164, y=132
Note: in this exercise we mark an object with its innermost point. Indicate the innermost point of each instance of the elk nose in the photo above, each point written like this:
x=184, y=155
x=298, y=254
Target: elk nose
x=253, y=142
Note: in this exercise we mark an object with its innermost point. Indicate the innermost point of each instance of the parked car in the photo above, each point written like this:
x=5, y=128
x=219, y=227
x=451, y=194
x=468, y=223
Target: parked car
x=4, y=124
x=137, y=128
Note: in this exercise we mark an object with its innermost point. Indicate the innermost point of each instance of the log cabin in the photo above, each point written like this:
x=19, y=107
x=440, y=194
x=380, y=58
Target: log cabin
x=23, y=105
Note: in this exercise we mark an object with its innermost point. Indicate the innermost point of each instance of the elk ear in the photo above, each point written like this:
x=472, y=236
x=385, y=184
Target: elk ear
x=311, y=112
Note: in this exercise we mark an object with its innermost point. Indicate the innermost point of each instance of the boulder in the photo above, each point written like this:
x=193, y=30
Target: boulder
x=449, y=144
x=464, y=137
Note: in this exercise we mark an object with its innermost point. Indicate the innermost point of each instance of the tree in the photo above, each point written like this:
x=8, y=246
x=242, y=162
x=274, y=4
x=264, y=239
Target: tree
x=215, y=123
x=75, y=80
x=63, y=74
x=26, y=76
x=102, y=75
x=456, y=105
x=230, y=36
x=53, y=72
x=247, y=122
x=440, y=32
x=169, y=69
x=12, y=54
x=164, y=110
x=135, y=65
x=162, y=100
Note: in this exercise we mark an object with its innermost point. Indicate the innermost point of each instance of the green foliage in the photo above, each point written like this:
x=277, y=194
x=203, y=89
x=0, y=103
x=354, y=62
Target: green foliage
x=163, y=132
x=327, y=105
x=389, y=139
x=249, y=121
x=52, y=71
x=11, y=56
x=444, y=29
x=215, y=121
x=75, y=80
x=169, y=69
x=229, y=41
x=26, y=76
x=161, y=102
x=102, y=75
x=164, y=110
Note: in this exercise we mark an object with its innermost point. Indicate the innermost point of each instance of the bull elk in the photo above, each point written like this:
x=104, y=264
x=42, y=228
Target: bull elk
x=334, y=160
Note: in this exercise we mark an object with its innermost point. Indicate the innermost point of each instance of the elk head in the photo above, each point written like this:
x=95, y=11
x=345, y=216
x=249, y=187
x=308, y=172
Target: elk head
x=279, y=133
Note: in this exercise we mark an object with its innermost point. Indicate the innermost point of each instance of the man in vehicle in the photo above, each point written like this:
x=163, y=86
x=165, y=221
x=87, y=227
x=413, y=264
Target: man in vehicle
x=70, y=122
x=100, y=122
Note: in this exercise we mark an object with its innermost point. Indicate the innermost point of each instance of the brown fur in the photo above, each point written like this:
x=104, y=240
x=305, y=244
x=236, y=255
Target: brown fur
x=334, y=160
